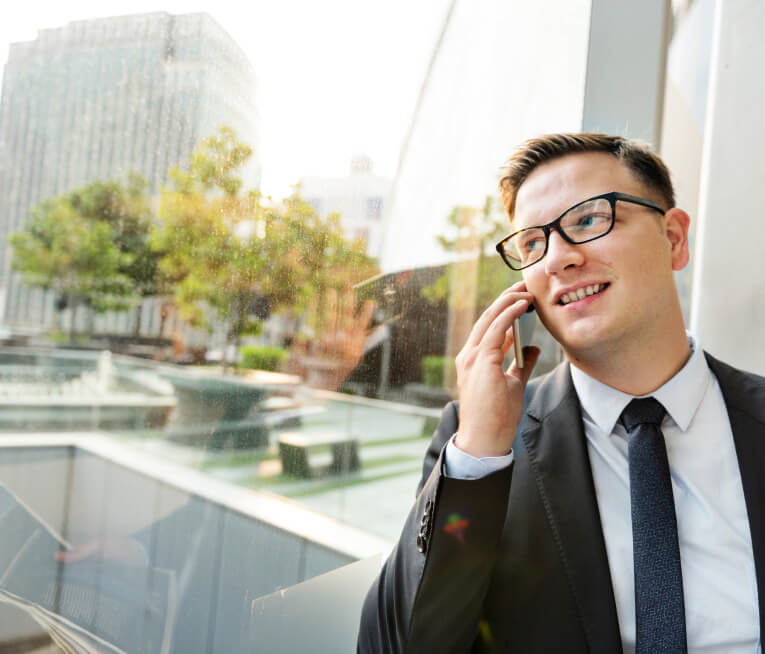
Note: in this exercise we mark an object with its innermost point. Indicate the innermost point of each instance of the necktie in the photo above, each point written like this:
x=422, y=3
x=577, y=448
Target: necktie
x=659, y=606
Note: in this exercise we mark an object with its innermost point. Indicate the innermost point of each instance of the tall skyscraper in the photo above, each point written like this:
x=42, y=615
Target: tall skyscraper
x=99, y=98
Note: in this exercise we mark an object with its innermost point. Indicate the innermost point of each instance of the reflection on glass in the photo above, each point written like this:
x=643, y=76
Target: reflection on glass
x=209, y=394
x=159, y=570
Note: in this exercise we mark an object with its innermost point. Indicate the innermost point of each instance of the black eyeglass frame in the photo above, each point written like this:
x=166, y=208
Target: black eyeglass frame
x=612, y=197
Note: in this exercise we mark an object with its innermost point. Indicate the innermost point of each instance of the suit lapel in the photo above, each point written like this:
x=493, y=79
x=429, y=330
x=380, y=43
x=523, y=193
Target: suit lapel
x=745, y=402
x=555, y=441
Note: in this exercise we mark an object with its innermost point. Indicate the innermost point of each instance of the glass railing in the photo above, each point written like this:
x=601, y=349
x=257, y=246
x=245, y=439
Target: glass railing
x=170, y=508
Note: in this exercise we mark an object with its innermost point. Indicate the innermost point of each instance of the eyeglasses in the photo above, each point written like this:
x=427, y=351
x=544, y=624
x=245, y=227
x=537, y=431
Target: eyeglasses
x=586, y=221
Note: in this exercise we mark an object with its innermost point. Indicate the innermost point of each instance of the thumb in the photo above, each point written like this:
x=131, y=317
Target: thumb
x=530, y=357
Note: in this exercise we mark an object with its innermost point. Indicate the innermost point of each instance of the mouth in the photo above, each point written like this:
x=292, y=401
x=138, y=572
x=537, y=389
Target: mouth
x=582, y=293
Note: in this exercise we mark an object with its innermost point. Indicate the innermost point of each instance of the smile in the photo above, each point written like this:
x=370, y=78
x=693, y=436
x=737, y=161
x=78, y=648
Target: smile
x=581, y=293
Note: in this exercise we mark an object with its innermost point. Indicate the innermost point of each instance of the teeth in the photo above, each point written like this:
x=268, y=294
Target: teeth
x=581, y=293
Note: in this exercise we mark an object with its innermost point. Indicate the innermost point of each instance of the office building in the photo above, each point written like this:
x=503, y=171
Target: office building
x=96, y=99
x=361, y=198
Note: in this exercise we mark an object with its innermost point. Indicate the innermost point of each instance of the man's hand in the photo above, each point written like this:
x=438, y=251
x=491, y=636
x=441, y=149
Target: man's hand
x=346, y=330
x=491, y=401
x=341, y=343
x=121, y=550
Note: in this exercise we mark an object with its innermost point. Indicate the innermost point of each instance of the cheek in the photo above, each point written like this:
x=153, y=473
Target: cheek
x=536, y=283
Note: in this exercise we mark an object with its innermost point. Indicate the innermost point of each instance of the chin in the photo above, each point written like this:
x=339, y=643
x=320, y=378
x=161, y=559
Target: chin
x=585, y=344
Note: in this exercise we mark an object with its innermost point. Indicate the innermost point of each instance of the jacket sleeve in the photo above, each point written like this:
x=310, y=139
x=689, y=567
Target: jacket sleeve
x=430, y=592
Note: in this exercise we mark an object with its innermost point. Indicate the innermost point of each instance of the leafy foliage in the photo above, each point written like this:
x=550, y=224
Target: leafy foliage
x=215, y=246
x=262, y=357
x=434, y=369
x=90, y=246
x=472, y=234
x=224, y=246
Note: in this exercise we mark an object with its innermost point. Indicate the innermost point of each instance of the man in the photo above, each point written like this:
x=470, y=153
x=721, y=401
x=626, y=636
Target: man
x=535, y=501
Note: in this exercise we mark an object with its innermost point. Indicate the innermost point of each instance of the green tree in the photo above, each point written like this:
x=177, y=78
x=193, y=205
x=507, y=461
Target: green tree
x=223, y=245
x=90, y=245
x=126, y=209
x=327, y=260
x=205, y=254
x=59, y=250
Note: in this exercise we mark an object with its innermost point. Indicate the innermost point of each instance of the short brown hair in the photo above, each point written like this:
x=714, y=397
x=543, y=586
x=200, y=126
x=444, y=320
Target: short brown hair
x=636, y=155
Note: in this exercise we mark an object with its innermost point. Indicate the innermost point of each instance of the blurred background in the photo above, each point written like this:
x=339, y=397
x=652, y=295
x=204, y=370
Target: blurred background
x=239, y=250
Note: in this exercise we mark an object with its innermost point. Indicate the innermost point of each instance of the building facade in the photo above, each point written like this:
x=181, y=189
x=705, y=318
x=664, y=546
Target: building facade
x=360, y=198
x=97, y=99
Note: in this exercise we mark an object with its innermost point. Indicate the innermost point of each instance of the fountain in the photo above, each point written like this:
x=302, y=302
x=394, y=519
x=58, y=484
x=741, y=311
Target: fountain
x=71, y=391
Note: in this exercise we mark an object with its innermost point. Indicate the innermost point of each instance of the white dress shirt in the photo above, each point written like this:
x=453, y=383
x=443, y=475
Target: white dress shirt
x=719, y=583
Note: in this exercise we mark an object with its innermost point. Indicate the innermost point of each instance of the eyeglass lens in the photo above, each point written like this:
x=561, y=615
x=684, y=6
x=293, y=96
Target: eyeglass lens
x=581, y=223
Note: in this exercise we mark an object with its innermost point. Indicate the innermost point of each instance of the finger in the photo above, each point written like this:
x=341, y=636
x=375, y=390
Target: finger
x=496, y=334
x=355, y=339
x=365, y=315
x=531, y=356
x=509, y=340
x=487, y=318
x=78, y=553
x=331, y=309
x=331, y=314
x=346, y=311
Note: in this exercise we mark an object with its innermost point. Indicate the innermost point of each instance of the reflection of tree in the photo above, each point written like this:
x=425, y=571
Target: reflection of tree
x=472, y=236
x=217, y=249
x=224, y=246
x=476, y=277
x=90, y=246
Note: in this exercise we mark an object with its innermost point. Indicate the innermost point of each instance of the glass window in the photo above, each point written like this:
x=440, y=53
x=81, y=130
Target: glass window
x=224, y=353
x=374, y=207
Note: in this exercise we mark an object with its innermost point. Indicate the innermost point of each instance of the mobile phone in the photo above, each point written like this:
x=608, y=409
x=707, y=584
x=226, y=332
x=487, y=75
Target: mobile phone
x=523, y=330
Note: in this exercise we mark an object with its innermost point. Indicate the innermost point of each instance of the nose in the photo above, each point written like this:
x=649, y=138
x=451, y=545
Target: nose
x=561, y=254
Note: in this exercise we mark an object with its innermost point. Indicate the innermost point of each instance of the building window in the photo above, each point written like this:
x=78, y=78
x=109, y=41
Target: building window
x=374, y=207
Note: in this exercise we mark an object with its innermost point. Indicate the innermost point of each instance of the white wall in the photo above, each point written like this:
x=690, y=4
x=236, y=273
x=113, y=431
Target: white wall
x=728, y=302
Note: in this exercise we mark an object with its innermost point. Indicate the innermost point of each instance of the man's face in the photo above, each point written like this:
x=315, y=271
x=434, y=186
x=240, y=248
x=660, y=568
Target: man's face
x=631, y=266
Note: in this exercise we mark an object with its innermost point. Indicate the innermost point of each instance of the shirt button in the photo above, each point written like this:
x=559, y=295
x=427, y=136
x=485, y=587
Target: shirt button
x=421, y=544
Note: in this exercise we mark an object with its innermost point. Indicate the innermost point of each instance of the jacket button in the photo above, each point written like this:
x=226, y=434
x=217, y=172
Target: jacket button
x=428, y=506
x=422, y=544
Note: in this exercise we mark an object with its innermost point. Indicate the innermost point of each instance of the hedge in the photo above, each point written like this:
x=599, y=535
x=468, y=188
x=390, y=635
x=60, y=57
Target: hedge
x=433, y=369
x=261, y=357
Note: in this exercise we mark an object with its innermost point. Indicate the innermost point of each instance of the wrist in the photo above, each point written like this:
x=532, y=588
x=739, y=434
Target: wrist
x=481, y=449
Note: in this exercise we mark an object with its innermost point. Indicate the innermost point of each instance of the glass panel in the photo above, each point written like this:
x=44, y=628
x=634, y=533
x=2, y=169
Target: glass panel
x=240, y=251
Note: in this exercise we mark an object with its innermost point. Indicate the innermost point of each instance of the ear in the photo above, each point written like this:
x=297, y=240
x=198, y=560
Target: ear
x=676, y=223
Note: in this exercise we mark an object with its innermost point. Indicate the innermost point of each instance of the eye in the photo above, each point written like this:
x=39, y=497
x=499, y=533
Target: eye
x=532, y=244
x=592, y=220
x=588, y=222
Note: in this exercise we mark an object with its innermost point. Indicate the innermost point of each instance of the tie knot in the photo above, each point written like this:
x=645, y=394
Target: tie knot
x=647, y=410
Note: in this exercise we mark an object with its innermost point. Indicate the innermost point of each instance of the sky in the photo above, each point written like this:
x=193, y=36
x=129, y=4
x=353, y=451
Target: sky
x=335, y=77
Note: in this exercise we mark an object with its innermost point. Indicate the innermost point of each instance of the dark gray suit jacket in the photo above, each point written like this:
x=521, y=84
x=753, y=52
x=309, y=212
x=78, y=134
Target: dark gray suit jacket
x=516, y=562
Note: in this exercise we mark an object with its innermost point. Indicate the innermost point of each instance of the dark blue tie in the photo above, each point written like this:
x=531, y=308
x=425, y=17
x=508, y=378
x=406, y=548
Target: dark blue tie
x=659, y=606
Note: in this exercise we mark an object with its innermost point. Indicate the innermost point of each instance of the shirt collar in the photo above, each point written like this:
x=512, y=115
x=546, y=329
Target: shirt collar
x=680, y=396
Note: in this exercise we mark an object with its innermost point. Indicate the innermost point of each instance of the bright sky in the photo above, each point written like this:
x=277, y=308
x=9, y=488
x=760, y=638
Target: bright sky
x=335, y=77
